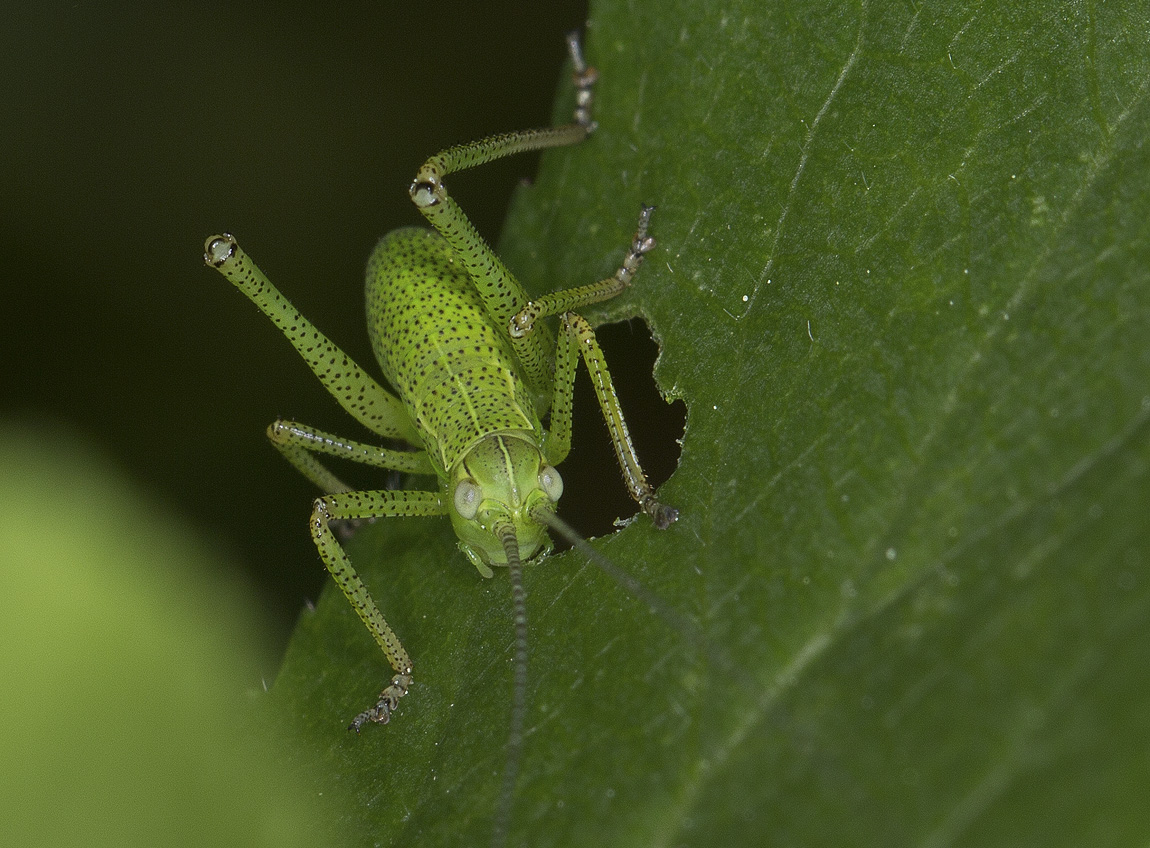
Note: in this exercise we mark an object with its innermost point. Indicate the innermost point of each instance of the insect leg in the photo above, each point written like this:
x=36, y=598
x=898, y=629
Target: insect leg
x=357, y=392
x=501, y=293
x=427, y=191
x=557, y=438
x=353, y=505
x=580, y=331
x=555, y=303
x=298, y=442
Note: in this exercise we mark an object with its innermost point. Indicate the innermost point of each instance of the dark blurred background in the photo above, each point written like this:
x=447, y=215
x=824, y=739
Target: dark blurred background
x=132, y=131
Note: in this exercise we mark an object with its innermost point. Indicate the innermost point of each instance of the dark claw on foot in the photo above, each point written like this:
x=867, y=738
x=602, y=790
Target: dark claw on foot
x=388, y=700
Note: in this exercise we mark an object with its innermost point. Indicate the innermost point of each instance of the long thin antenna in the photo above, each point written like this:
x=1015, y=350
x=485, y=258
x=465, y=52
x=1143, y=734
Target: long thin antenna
x=519, y=692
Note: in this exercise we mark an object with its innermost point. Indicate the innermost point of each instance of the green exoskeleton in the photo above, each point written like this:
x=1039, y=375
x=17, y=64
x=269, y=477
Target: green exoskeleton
x=475, y=372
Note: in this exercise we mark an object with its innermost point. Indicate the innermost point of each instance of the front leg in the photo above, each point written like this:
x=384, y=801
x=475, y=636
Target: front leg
x=298, y=442
x=353, y=505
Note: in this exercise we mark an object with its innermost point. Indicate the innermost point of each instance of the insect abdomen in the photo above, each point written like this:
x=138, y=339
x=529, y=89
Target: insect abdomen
x=436, y=344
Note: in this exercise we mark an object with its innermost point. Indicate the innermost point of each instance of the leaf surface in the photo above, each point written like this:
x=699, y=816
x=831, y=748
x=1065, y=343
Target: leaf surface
x=901, y=284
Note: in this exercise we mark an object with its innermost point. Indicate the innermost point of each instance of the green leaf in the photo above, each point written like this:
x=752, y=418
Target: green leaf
x=901, y=283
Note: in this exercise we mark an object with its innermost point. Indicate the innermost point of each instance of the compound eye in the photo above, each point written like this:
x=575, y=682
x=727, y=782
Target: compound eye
x=467, y=498
x=550, y=482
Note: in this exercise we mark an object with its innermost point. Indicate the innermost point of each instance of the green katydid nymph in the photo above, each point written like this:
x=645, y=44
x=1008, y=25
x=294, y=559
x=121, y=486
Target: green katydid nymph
x=474, y=372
